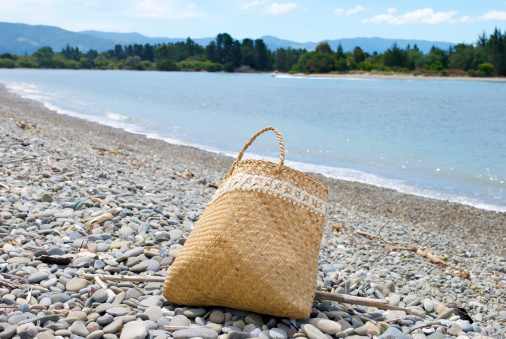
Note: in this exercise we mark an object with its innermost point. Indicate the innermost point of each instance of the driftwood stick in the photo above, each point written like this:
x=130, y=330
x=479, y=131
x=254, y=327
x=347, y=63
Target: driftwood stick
x=134, y=278
x=177, y=328
x=349, y=299
x=379, y=303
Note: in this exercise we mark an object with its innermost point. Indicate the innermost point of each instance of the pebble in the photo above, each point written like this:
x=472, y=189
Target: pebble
x=100, y=296
x=115, y=311
x=394, y=332
x=154, y=313
x=134, y=330
x=75, y=285
x=204, y=333
x=312, y=332
x=180, y=320
x=78, y=328
x=454, y=330
x=113, y=327
x=326, y=326
x=38, y=276
x=255, y=319
x=277, y=333
x=217, y=317
x=95, y=334
x=192, y=313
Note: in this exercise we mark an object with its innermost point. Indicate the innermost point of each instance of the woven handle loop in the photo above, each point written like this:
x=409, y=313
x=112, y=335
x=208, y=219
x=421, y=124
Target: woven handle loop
x=248, y=144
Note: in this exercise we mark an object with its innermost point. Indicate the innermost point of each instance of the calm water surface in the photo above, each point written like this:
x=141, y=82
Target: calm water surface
x=441, y=139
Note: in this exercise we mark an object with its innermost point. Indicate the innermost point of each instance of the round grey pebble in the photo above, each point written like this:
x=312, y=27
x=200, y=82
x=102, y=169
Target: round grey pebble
x=38, y=276
x=55, y=251
x=217, y=317
x=100, y=296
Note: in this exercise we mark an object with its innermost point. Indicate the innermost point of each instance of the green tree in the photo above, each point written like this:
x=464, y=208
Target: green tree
x=342, y=64
x=436, y=66
x=225, y=46
x=315, y=62
x=461, y=57
x=248, y=53
x=358, y=55
x=148, y=53
x=27, y=61
x=44, y=56
x=118, y=53
x=285, y=59
x=415, y=58
x=212, y=52
x=437, y=54
x=340, y=52
x=485, y=70
x=134, y=63
x=261, y=55
x=8, y=56
x=91, y=54
x=496, y=46
x=395, y=57
x=166, y=65
x=323, y=47
x=7, y=63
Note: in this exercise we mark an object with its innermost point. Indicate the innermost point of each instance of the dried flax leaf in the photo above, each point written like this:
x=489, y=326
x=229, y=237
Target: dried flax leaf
x=98, y=220
x=429, y=255
x=337, y=227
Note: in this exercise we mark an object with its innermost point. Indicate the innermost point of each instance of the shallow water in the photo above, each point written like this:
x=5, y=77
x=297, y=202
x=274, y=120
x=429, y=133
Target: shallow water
x=438, y=138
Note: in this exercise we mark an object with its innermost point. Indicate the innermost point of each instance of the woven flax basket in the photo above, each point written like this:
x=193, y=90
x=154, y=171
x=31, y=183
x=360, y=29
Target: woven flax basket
x=255, y=246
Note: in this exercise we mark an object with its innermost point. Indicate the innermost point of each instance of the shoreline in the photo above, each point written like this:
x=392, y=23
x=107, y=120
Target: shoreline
x=395, y=77
x=344, y=196
x=365, y=75
x=319, y=169
x=113, y=202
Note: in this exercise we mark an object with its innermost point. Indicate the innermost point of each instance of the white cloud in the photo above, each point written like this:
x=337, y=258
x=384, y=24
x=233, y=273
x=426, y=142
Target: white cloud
x=342, y=11
x=493, y=15
x=465, y=19
x=161, y=9
x=420, y=16
x=280, y=9
x=272, y=8
x=254, y=3
x=429, y=16
x=93, y=3
x=356, y=10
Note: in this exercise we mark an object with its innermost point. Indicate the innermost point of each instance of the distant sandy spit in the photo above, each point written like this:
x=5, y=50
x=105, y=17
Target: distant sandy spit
x=393, y=77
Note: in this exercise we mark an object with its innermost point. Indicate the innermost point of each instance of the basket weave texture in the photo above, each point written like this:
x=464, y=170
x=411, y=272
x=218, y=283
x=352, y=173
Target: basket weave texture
x=255, y=246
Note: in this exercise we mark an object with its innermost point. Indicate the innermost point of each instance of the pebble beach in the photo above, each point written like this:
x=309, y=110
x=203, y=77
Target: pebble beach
x=81, y=198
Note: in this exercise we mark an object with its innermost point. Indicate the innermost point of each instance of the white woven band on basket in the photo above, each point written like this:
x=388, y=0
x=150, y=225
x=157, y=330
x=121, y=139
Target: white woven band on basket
x=279, y=188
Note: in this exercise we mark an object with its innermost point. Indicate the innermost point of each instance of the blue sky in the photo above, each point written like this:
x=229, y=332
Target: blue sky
x=299, y=20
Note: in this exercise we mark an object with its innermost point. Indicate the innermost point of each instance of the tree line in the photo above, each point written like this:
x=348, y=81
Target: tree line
x=487, y=57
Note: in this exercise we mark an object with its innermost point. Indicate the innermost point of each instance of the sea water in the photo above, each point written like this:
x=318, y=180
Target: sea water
x=444, y=139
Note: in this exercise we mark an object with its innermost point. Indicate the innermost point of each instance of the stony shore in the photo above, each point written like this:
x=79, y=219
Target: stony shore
x=105, y=201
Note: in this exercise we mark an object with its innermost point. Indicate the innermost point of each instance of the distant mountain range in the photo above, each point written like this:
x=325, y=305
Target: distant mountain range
x=21, y=38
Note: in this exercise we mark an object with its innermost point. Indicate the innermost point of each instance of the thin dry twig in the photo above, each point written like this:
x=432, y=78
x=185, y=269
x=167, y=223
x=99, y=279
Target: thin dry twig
x=379, y=303
x=30, y=157
x=137, y=288
x=103, y=150
x=8, y=284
